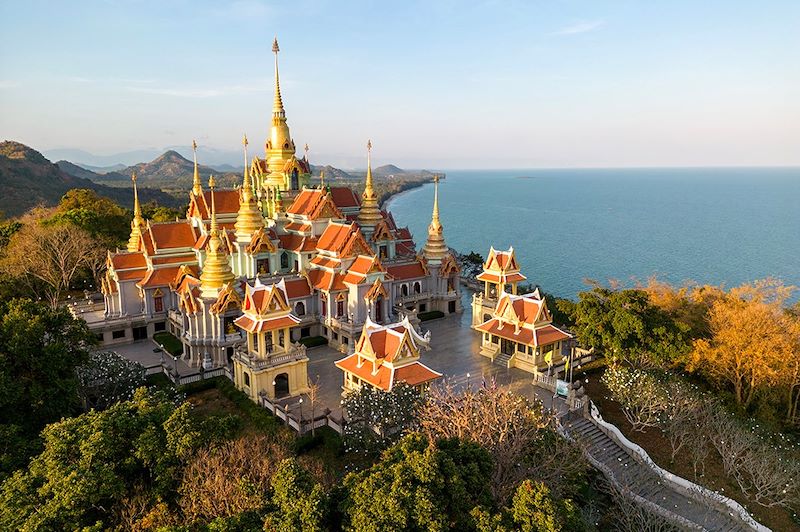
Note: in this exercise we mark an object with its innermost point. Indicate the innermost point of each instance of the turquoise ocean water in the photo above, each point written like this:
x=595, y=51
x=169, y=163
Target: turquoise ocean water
x=720, y=225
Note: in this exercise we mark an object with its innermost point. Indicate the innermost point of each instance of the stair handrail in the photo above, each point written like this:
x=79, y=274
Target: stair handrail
x=683, y=485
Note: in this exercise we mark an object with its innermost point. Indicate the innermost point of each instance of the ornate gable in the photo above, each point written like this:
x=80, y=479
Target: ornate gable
x=382, y=232
x=376, y=290
x=227, y=299
x=356, y=245
x=449, y=266
x=261, y=243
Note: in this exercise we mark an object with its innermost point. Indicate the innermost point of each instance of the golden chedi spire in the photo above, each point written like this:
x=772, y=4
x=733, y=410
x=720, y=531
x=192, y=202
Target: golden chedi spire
x=216, y=268
x=249, y=218
x=370, y=214
x=138, y=222
x=279, y=147
x=197, y=187
x=435, y=248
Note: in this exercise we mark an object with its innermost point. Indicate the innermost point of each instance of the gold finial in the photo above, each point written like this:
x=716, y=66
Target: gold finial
x=277, y=104
x=249, y=219
x=322, y=178
x=197, y=186
x=435, y=248
x=370, y=214
x=138, y=221
x=216, y=268
x=305, y=149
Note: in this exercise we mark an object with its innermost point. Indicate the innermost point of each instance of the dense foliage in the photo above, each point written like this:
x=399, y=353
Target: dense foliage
x=40, y=349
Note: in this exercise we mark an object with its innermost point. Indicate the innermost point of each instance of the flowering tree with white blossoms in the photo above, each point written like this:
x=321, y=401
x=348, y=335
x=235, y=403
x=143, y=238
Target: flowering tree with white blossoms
x=108, y=378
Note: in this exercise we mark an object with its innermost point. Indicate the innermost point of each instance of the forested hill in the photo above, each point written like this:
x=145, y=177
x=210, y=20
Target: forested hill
x=28, y=179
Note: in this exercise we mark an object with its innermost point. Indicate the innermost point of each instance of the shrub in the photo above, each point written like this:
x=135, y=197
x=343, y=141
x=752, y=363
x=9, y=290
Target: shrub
x=430, y=315
x=313, y=341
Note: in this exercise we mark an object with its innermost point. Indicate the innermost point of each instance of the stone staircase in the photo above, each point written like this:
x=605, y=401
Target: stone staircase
x=691, y=510
x=502, y=359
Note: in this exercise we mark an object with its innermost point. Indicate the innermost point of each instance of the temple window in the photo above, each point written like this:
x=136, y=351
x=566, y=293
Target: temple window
x=339, y=308
x=383, y=252
x=284, y=260
x=262, y=266
x=404, y=290
x=417, y=287
x=300, y=309
x=246, y=378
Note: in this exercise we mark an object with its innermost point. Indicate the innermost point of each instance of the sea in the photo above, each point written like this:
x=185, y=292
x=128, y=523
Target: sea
x=720, y=226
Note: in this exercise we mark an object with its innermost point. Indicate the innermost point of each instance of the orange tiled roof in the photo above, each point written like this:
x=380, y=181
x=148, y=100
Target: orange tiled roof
x=298, y=226
x=363, y=265
x=298, y=242
x=225, y=202
x=504, y=278
x=128, y=275
x=325, y=262
x=297, y=288
x=402, y=272
x=325, y=280
x=170, y=235
x=542, y=336
x=413, y=374
x=249, y=324
x=345, y=197
x=124, y=261
x=159, y=277
x=334, y=237
x=177, y=259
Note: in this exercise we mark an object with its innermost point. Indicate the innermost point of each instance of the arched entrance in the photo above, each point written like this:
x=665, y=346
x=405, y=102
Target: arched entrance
x=281, y=385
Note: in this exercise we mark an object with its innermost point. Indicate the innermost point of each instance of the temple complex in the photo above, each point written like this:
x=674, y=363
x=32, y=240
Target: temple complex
x=516, y=329
x=253, y=270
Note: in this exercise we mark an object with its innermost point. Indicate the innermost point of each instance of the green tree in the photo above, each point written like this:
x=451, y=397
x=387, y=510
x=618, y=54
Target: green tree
x=40, y=348
x=418, y=486
x=626, y=326
x=533, y=509
x=154, y=212
x=92, y=462
x=299, y=503
x=99, y=216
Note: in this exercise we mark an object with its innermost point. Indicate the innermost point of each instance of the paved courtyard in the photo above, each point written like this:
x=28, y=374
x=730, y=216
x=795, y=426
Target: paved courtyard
x=454, y=351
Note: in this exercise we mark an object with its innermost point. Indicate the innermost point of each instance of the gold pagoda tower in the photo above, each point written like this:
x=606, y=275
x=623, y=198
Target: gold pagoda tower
x=280, y=146
x=249, y=218
x=435, y=248
x=216, y=268
x=138, y=222
x=370, y=214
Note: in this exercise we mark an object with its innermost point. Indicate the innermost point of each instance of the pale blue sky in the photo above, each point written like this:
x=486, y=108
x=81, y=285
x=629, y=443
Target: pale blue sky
x=442, y=84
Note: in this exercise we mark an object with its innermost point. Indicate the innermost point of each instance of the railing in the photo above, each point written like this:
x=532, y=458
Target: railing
x=542, y=380
x=400, y=299
x=199, y=375
x=296, y=352
x=298, y=423
x=680, y=484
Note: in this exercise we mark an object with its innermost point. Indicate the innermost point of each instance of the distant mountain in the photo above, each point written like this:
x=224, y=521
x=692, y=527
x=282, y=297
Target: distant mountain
x=172, y=171
x=80, y=171
x=331, y=172
x=28, y=179
x=103, y=169
x=100, y=163
x=387, y=170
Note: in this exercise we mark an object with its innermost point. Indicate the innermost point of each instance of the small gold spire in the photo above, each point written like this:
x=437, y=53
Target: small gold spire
x=370, y=214
x=216, y=269
x=277, y=104
x=322, y=178
x=435, y=248
x=305, y=149
x=197, y=187
x=138, y=221
x=249, y=218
